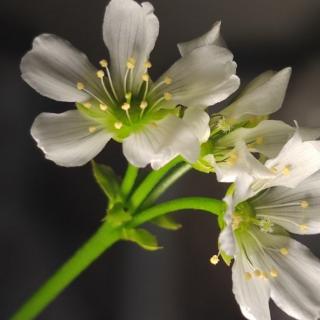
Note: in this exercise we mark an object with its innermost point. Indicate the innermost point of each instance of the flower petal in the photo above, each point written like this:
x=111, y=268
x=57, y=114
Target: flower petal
x=296, y=289
x=68, y=138
x=211, y=37
x=252, y=295
x=297, y=209
x=129, y=31
x=53, y=67
x=160, y=142
x=263, y=96
x=198, y=120
x=202, y=78
x=268, y=137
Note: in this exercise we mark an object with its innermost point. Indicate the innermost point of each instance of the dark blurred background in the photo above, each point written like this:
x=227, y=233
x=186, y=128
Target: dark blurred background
x=47, y=211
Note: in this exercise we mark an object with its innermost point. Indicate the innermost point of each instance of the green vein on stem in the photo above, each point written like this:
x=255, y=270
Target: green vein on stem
x=129, y=179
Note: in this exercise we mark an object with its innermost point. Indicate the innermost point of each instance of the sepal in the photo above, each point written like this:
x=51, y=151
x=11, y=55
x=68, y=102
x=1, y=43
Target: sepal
x=167, y=223
x=141, y=237
x=117, y=216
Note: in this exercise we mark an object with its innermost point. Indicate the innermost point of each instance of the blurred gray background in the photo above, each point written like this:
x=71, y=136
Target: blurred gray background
x=47, y=211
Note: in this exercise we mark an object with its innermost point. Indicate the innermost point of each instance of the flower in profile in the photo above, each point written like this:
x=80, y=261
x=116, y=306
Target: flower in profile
x=261, y=213
x=120, y=101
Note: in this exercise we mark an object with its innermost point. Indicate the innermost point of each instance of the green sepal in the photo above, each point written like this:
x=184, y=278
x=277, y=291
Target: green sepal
x=108, y=182
x=141, y=237
x=226, y=258
x=117, y=216
x=167, y=223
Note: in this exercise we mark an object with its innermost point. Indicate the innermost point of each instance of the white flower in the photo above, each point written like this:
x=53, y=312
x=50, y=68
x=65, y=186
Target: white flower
x=261, y=212
x=122, y=102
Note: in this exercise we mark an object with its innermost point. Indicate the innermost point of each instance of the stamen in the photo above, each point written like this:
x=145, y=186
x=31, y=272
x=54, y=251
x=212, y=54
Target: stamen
x=304, y=204
x=167, y=96
x=145, y=77
x=118, y=125
x=92, y=129
x=284, y=251
x=233, y=158
x=259, y=140
x=147, y=65
x=274, y=169
x=264, y=275
x=167, y=80
x=143, y=106
x=100, y=74
x=236, y=221
x=80, y=86
x=103, y=107
x=286, y=171
x=303, y=227
x=214, y=260
x=257, y=273
x=131, y=63
x=103, y=63
x=274, y=273
x=247, y=276
x=126, y=107
x=87, y=105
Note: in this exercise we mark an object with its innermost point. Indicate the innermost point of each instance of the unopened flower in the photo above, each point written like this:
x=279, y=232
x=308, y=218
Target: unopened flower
x=122, y=102
x=261, y=213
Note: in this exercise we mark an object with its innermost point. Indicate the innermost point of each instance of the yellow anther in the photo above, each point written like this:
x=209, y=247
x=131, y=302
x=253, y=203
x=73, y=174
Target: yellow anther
x=167, y=80
x=286, y=170
x=274, y=273
x=233, y=158
x=247, y=276
x=304, y=204
x=87, y=105
x=143, y=105
x=145, y=77
x=284, y=251
x=92, y=129
x=257, y=273
x=147, y=65
x=264, y=275
x=259, y=140
x=125, y=106
x=100, y=74
x=167, y=96
x=103, y=63
x=214, y=260
x=236, y=220
x=303, y=227
x=80, y=86
x=131, y=63
x=274, y=169
x=118, y=125
x=103, y=107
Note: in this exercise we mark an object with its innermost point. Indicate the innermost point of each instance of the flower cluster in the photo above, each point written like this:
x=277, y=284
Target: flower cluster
x=273, y=167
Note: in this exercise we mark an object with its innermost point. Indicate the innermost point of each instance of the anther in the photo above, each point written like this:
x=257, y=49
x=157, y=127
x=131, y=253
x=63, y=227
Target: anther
x=274, y=169
x=257, y=273
x=167, y=96
x=103, y=63
x=103, y=107
x=80, y=86
x=143, y=105
x=100, y=74
x=131, y=63
x=259, y=140
x=233, y=158
x=304, y=204
x=125, y=106
x=236, y=221
x=118, y=125
x=167, y=80
x=303, y=227
x=247, y=276
x=286, y=170
x=147, y=65
x=87, y=105
x=214, y=260
x=274, y=273
x=284, y=251
x=92, y=129
x=145, y=77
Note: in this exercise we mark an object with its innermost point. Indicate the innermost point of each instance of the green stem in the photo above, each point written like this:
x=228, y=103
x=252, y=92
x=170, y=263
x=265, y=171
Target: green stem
x=166, y=183
x=149, y=183
x=104, y=238
x=129, y=179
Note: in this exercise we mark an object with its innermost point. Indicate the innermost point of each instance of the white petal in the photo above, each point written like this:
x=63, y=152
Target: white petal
x=160, y=142
x=198, y=120
x=263, y=97
x=252, y=295
x=296, y=161
x=211, y=37
x=297, y=209
x=268, y=137
x=129, y=31
x=202, y=78
x=53, y=67
x=296, y=289
x=66, y=139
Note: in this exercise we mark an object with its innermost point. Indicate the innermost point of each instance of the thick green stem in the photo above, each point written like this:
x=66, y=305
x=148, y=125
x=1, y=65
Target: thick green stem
x=90, y=251
x=129, y=180
x=149, y=183
x=166, y=183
